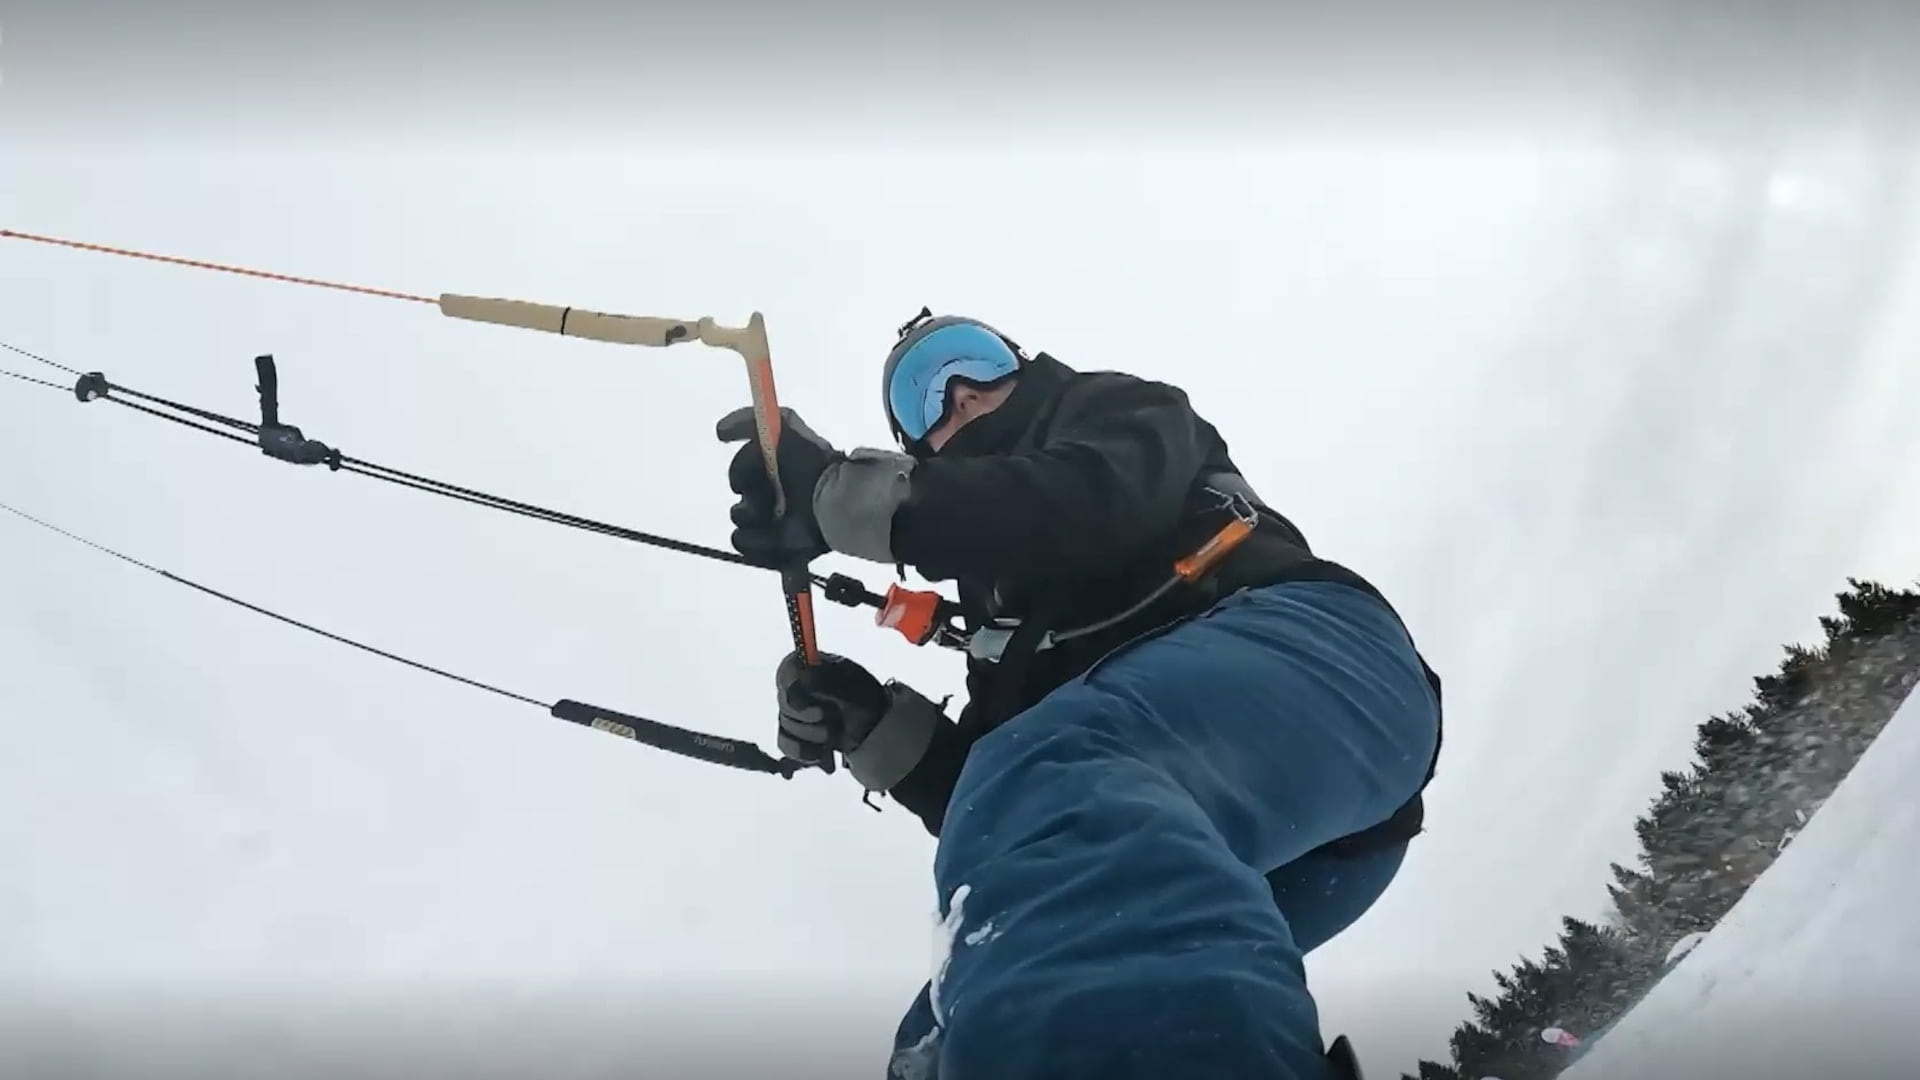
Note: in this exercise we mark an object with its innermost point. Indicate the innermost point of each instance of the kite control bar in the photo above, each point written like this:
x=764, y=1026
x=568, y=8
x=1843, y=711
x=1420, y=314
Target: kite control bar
x=750, y=341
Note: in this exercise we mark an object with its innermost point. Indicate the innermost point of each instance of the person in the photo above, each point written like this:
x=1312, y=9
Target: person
x=1161, y=794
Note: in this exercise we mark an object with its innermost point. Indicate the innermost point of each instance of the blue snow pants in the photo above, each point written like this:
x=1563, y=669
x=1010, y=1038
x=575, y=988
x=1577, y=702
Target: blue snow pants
x=1103, y=868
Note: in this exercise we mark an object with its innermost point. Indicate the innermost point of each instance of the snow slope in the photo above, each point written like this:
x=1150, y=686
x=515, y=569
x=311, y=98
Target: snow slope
x=1816, y=972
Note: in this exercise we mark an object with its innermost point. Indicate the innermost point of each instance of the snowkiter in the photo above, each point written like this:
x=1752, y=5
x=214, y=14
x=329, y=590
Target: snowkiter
x=1147, y=814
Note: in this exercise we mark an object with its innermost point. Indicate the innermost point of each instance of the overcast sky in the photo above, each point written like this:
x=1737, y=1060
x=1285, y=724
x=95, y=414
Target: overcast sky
x=1589, y=342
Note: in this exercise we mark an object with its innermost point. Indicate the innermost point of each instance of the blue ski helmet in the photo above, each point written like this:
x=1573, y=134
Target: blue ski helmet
x=932, y=352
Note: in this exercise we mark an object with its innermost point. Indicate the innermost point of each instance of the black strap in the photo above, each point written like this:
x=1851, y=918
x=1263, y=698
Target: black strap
x=269, y=390
x=1006, y=695
x=284, y=442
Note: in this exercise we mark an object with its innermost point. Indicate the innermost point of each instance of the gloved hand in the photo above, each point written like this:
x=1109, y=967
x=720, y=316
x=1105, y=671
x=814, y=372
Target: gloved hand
x=837, y=705
x=802, y=456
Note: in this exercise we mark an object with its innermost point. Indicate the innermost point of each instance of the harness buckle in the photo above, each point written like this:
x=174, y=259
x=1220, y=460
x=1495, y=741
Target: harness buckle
x=989, y=643
x=1238, y=504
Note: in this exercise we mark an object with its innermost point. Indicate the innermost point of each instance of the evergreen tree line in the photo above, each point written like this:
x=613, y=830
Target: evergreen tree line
x=1759, y=774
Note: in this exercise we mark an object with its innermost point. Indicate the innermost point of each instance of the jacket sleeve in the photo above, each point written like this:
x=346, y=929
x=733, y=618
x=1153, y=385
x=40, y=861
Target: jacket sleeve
x=926, y=790
x=1114, y=472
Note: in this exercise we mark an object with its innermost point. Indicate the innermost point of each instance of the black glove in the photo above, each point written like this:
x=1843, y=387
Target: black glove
x=832, y=705
x=765, y=540
x=837, y=705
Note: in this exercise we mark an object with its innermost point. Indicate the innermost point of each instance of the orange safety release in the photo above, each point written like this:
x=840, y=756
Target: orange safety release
x=1195, y=566
x=913, y=614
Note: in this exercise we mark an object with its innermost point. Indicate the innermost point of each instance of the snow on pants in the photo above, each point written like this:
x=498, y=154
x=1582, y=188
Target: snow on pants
x=1103, y=868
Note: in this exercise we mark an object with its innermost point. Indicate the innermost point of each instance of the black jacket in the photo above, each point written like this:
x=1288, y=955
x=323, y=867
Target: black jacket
x=1061, y=508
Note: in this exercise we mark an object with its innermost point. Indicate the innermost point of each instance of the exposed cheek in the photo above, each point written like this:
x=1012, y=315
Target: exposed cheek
x=938, y=437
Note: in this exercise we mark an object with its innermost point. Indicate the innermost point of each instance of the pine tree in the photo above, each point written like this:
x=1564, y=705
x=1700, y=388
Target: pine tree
x=1711, y=832
x=1872, y=610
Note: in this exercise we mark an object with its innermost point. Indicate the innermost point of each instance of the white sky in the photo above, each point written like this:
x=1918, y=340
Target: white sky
x=1609, y=411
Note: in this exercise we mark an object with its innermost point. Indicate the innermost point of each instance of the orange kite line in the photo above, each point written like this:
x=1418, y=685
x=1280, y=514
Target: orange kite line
x=11, y=234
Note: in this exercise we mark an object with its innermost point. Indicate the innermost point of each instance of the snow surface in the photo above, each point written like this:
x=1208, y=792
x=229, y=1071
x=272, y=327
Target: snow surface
x=1686, y=945
x=1816, y=972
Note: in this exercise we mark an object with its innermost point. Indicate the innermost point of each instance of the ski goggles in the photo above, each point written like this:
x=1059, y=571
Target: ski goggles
x=919, y=376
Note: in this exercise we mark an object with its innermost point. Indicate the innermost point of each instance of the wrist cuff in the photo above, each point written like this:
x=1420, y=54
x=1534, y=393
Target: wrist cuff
x=855, y=500
x=897, y=743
